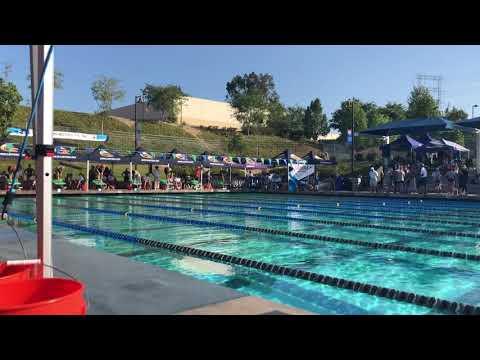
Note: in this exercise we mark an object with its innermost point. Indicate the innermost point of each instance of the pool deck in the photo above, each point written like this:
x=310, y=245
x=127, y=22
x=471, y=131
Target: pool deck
x=118, y=285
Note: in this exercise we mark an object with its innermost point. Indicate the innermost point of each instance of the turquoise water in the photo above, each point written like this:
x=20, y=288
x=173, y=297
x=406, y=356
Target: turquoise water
x=447, y=278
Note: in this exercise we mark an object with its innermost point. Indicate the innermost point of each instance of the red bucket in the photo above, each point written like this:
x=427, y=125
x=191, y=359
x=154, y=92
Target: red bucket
x=11, y=273
x=52, y=296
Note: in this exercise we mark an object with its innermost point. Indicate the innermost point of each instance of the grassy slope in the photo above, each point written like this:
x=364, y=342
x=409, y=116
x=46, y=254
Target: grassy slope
x=164, y=137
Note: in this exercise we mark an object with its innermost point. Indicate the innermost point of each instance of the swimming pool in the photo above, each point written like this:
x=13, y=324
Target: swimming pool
x=332, y=247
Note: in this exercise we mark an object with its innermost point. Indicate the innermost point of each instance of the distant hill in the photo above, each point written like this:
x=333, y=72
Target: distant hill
x=160, y=137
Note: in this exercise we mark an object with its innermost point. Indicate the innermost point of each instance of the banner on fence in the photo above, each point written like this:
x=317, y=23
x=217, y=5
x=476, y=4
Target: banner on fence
x=62, y=135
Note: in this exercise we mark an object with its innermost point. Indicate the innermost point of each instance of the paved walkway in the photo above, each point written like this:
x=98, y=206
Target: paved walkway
x=121, y=286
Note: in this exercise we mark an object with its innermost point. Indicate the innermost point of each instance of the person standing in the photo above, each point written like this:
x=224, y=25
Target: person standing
x=451, y=180
x=463, y=181
x=423, y=179
x=156, y=178
x=373, y=177
x=437, y=179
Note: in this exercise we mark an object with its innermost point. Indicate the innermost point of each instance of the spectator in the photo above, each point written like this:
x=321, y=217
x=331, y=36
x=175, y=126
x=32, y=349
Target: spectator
x=422, y=182
x=126, y=176
x=463, y=181
x=450, y=175
x=29, y=172
x=437, y=179
x=156, y=177
x=373, y=178
x=387, y=180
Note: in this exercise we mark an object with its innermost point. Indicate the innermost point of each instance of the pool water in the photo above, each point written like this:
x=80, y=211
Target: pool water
x=441, y=277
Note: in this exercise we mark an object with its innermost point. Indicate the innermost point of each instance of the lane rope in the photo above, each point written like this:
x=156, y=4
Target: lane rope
x=439, y=304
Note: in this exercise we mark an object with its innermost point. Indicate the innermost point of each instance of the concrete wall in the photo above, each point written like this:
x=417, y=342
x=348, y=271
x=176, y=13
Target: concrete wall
x=194, y=112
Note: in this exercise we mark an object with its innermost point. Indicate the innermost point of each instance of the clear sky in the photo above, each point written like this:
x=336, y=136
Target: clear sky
x=301, y=73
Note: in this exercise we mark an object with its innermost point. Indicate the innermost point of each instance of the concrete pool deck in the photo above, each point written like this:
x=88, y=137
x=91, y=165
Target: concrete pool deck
x=118, y=285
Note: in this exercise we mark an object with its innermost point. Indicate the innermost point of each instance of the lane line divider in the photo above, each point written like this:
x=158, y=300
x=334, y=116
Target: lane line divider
x=445, y=306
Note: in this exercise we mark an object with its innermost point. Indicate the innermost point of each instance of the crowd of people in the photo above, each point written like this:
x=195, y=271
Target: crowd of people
x=451, y=178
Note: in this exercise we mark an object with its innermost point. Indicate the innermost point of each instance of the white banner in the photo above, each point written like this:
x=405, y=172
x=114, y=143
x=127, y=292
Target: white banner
x=62, y=135
x=300, y=171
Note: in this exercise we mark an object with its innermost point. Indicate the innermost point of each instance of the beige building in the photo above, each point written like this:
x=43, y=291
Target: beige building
x=194, y=112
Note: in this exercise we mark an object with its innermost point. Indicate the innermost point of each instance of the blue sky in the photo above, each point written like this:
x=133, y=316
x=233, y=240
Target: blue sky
x=301, y=73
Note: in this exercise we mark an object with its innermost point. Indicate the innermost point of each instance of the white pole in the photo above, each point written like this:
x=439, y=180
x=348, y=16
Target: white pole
x=131, y=170
x=87, y=180
x=43, y=129
x=477, y=148
x=201, y=177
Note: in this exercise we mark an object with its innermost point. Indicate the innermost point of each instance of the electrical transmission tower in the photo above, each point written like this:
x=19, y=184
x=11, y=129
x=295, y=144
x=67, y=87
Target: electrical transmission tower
x=434, y=84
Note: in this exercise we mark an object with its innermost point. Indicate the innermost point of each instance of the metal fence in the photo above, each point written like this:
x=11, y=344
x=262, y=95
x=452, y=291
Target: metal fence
x=261, y=147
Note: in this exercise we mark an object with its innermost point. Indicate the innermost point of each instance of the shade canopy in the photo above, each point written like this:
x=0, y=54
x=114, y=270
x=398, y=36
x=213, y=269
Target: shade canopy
x=141, y=156
x=403, y=143
x=12, y=151
x=432, y=145
x=104, y=155
x=313, y=158
x=287, y=157
x=455, y=146
x=411, y=126
x=471, y=123
x=66, y=153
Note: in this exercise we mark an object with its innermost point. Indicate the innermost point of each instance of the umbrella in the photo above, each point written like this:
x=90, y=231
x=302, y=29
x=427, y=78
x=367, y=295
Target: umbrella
x=409, y=126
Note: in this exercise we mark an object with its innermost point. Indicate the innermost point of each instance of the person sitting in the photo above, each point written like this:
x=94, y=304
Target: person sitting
x=69, y=182
x=80, y=184
x=58, y=173
x=137, y=179
x=111, y=182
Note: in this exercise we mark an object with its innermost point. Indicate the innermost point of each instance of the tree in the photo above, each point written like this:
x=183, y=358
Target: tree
x=236, y=144
x=315, y=121
x=295, y=116
x=394, y=111
x=10, y=99
x=455, y=114
x=277, y=120
x=105, y=91
x=421, y=104
x=57, y=80
x=166, y=99
x=251, y=96
x=342, y=118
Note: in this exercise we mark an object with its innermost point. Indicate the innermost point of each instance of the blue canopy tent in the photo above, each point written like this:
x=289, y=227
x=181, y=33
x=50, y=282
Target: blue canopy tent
x=431, y=145
x=454, y=146
x=470, y=123
x=412, y=126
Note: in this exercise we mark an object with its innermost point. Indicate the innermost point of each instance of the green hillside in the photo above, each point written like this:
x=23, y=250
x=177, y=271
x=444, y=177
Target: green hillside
x=160, y=137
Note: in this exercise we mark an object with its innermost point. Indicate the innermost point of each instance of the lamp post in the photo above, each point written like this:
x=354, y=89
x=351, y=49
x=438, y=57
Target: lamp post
x=139, y=99
x=353, y=136
x=473, y=108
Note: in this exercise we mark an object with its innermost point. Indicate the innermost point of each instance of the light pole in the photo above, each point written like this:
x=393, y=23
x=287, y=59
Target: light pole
x=473, y=108
x=353, y=137
x=138, y=99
